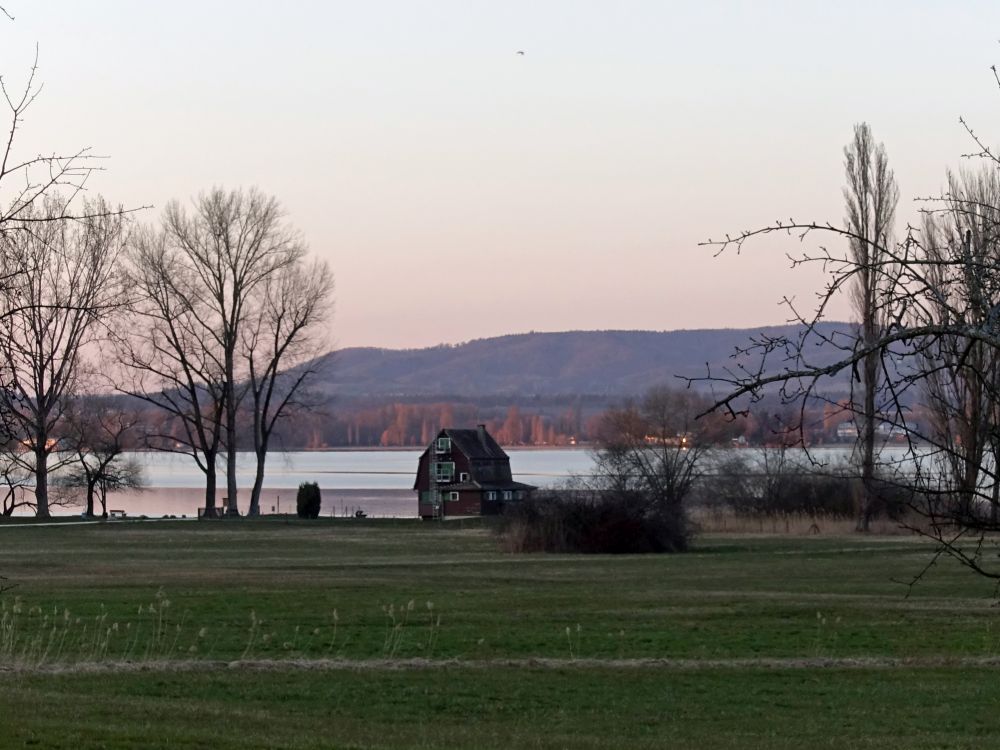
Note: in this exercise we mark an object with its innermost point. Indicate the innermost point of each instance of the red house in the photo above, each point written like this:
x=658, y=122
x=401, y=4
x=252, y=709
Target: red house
x=465, y=473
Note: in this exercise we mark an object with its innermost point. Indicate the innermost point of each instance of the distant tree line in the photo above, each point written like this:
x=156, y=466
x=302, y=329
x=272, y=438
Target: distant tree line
x=528, y=422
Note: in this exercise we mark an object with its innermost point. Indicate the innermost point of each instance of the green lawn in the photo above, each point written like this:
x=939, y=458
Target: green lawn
x=771, y=642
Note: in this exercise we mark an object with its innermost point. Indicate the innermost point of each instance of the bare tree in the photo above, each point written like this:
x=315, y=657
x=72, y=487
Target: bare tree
x=200, y=273
x=98, y=439
x=654, y=454
x=34, y=177
x=940, y=300
x=963, y=242
x=170, y=363
x=25, y=179
x=282, y=340
x=65, y=286
x=871, y=196
x=17, y=484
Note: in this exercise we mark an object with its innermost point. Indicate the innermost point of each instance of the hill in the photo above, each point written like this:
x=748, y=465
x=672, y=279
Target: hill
x=602, y=363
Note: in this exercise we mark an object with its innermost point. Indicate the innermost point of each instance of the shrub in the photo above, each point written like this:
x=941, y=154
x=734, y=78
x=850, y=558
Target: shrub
x=591, y=521
x=307, y=500
x=773, y=484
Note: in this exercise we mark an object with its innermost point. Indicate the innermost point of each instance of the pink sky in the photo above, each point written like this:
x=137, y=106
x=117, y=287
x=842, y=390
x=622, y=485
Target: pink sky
x=460, y=190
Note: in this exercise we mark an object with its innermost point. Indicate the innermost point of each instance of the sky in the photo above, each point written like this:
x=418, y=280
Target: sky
x=460, y=190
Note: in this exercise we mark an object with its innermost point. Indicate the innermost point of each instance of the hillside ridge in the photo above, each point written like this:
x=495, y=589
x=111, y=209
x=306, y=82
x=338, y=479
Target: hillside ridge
x=606, y=363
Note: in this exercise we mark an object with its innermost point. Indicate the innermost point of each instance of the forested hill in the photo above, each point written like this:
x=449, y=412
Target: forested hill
x=610, y=363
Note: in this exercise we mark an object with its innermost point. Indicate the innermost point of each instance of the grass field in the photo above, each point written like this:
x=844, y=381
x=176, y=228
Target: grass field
x=399, y=634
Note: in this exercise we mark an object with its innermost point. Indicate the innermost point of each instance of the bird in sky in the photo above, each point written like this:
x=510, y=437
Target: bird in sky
x=521, y=52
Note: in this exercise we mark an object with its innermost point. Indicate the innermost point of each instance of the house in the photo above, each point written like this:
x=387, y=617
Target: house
x=465, y=473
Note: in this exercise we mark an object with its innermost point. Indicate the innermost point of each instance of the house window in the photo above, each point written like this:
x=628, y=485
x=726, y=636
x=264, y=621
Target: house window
x=463, y=477
x=518, y=495
x=491, y=495
x=453, y=497
x=508, y=495
x=443, y=445
x=443, y=471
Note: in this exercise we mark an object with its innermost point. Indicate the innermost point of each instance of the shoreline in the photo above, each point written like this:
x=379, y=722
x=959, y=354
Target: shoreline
x=184, y=502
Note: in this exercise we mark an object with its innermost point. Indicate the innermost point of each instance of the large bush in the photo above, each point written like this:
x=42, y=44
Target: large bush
x=592, y=521
x=773, y=483
x=307, y=501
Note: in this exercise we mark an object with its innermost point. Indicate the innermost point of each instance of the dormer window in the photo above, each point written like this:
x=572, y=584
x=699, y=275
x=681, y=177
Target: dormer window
x=463, y=477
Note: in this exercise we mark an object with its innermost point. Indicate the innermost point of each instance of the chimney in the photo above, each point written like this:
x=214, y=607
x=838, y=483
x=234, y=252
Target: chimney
x=481, y=429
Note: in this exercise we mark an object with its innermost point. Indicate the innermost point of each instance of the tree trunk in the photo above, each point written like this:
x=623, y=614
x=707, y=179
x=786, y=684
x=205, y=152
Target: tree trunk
x=867, y=509
x=258, y=483
x=210, y=511
x=995, y=499
x=869, y=378
x=42, y=481
x=90, y=499
x=233, y=507
x=260, y=441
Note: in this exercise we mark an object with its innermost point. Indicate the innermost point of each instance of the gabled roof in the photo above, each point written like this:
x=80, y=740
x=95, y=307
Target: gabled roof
x=475, y=444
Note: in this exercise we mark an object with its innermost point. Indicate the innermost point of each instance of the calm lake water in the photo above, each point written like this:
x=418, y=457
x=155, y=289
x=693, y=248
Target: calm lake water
x=366, y=470
x=378, y=482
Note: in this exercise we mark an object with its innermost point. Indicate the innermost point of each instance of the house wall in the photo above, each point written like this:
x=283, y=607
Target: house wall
x=462, y=465
x=468, y=504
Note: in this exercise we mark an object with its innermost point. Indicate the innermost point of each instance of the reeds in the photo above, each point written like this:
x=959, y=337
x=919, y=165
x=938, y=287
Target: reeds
x=397, y=620
x=31, y=637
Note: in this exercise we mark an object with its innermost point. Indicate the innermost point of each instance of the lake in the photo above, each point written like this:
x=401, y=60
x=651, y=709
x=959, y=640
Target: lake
x=378, y=482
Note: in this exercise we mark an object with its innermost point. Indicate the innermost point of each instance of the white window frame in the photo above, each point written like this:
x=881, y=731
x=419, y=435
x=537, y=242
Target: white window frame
x=443, y=476
x=463, y=476
x=442, y=445
x=508, y=494
x=491, y=495
x=452, y=497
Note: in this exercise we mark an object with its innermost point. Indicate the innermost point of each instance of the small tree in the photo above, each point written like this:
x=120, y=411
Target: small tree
x=649, y=459
x=18, y=486
x=99, y=465
x=308, y=501
x=652, y=454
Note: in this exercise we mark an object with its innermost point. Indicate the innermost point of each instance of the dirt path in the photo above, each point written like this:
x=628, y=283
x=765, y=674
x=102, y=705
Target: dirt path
x=333, y=665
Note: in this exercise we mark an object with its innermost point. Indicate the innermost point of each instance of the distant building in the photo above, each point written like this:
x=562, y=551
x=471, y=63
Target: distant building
x=465, y=473
x=847, y=431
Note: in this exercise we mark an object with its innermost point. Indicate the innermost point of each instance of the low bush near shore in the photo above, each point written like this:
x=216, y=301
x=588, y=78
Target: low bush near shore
x=592, y=521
